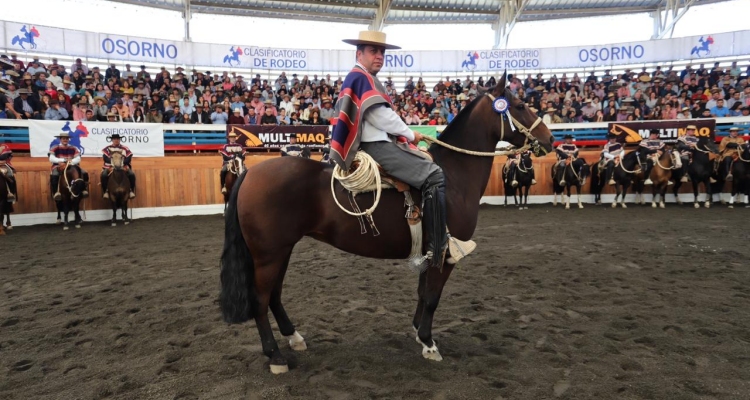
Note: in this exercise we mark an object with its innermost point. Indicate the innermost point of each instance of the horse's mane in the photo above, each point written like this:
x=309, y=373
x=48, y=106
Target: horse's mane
x=456, y=125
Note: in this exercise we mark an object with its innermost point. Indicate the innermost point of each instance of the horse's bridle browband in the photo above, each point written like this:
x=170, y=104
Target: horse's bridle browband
x=515, y=124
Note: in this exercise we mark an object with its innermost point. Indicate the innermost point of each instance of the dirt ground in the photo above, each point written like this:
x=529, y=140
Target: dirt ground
x=578, y=304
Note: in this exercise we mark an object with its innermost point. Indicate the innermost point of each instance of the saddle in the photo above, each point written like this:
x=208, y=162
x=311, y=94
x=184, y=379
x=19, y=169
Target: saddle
x=457, y=249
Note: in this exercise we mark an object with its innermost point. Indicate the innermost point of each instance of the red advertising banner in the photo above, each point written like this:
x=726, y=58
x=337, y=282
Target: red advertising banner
x=634, y=131
x=276, y=136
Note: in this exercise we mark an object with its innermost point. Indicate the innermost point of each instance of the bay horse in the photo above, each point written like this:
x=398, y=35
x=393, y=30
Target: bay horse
x=118, y=187
x=235, y=168
x=624, y=175
x=70, y=186
x=575, y=174
x=741, y=175
x=523, y=175
x=6, y=208
x=699, y=170
x=661, y=173
x=277, y=202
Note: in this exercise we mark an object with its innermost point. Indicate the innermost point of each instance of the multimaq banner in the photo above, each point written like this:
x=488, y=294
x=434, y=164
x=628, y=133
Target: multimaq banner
x=144, y=140
x=669, y=130
x=275, y=136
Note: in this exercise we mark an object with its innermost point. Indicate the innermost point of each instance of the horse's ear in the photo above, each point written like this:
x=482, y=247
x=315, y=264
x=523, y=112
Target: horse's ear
x=500, y=88
x=481, y=90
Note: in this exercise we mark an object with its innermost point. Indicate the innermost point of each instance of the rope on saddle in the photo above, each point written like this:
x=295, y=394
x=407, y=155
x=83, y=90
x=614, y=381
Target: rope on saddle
x=362, y=178
x=505, y=151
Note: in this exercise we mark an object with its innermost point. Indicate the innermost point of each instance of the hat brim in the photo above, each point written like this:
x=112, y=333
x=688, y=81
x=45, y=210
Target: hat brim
x=357, y=42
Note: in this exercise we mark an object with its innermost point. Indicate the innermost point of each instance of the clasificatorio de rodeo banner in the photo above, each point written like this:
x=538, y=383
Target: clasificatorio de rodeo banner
x=632, y=132
x=26, y=36
x=144, y=140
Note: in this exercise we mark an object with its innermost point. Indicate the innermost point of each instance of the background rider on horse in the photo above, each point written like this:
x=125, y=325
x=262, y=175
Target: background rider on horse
x=6, y=154
x=107, y=152
x=368, y=123
x=611, y=155
x=729, y=150
x=228, y=152
x=59, y=155
x=566, y=152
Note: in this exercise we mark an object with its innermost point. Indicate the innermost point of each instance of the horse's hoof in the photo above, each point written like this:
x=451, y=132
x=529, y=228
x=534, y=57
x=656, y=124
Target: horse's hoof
x=653, y=205
x=520, y=208
x=526, y=208
x=430, y=353
x=614, y=205
x=731, y=206
x=624, y=205
x=9, y=227
x=297, y=342
x=661, y=205
x=567, y=207
x=65, y=228
x=580, y=206
x=114, y=224
x=707, y=205
x=58, y=222
x=679, y=202
x=279, y=369
x=78, y=226
x=127, y=222
x=723, y=201
x=697, y=205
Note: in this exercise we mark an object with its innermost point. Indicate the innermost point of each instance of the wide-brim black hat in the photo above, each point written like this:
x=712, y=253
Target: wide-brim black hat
x=115, y=136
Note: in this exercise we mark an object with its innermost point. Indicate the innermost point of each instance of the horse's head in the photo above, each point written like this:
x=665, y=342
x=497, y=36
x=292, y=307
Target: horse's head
x=523, y=127
x=526, y=160
x=117, y=160
x=706, y=144
x=237, y=165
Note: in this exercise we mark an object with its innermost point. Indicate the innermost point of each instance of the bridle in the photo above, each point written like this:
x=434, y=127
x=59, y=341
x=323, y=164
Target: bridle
x=70, y=184
x=516, y=125
x=530, y=143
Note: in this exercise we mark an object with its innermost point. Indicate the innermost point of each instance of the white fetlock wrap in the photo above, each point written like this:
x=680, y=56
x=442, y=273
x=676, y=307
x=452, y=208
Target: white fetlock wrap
x=296, y=342
x=459, y=249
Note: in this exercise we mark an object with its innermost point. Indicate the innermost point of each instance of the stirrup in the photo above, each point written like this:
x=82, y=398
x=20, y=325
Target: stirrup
x=11, y=199
x=57, y=196
x=223, y=190
x=85, y=194
x=458, y=249
x=729, y=178
x=611, y=182
x=648, y=182
x=131, y=195
x=684, y=179
x=105, y=195
x=514, y=183
x=712, y=180
x=533, y=181
x=562, y=182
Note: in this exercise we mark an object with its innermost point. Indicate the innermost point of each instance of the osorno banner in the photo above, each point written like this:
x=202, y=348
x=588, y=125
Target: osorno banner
x=144, y=140
x=27, y=36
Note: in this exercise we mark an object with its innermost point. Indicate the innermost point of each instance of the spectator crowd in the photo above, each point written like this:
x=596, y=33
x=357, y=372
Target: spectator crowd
x=77, y=92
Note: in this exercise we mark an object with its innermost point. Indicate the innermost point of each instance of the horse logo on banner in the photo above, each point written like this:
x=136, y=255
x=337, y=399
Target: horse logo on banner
x=704, y=47
x=28, y=37
x=75, y=136
x=471, y=61
x=234, y=54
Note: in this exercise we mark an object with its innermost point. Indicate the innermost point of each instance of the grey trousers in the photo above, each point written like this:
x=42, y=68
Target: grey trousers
x=403, y=164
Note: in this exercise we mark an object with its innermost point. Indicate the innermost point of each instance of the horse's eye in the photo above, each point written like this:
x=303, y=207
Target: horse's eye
x=521, y=106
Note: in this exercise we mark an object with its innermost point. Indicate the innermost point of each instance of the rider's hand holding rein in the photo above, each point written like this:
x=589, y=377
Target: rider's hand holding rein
x=417, y=138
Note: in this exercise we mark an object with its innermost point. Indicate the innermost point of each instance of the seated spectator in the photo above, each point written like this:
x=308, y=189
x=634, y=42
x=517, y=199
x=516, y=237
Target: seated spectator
x=268, y=118
x=154, y=116
x=219, y=116
x=294, y=119
x=55, y=112
x=719, y=111
x=282, y=118
x=173, y=116
x=138, y=115
x=236, y=117
x=200, y=116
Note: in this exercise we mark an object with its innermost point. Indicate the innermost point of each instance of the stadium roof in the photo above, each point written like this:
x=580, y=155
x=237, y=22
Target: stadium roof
x=502, y=14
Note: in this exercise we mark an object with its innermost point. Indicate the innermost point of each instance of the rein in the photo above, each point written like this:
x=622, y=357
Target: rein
x=70, y=188
x=521, y=167
x=656, y=159
x=739, y=156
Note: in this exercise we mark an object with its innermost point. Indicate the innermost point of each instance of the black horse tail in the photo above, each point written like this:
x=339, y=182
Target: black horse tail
x=237, y=298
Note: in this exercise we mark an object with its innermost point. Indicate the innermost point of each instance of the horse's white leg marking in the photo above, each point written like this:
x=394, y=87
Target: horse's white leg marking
x=430, y=353
x=296, y=342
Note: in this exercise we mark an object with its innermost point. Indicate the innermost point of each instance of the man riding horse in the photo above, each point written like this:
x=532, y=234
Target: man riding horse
x=685, y=144
x=729, y=149
x=6, y=154
x=228, y=153
x=650, y=150
x=107, y=152
x=61, y=154
x=368, y=123
x=293, y=149
x=512, y=166
x=567, y=152
x=611, y=156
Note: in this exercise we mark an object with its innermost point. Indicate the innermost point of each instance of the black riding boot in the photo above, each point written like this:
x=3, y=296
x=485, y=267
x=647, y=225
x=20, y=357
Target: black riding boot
x=54, y=183
x=647, y=173
x=223, y=177
x=105, y=181
x=85, y=192
x=727, y=162
x=433, y=200
x=609, y=172
x=131, y=178
x=512, y=175
x=13, y=195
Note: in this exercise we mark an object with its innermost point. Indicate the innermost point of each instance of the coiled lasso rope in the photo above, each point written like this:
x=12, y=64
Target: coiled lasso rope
x=359, y=180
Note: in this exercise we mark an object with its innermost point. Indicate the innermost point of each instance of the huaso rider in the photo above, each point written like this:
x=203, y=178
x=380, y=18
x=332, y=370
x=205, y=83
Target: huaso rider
x=374, y=128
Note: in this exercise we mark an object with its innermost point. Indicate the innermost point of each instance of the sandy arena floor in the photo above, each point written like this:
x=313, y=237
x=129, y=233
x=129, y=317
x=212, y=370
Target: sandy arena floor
x=578, y=304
